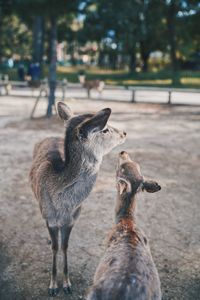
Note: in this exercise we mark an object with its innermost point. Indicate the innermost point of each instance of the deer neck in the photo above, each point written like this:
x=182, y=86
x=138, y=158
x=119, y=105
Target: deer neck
x=125, y=207
x=79, y=162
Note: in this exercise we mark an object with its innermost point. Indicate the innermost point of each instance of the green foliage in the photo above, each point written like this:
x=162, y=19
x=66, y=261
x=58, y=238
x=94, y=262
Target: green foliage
x=130, y=28
x=144, y=26
x=186, y=79
x=15, y=37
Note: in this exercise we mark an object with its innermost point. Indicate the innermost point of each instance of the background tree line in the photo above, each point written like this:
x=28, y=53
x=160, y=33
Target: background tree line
x=118, y=27
x=170, y=26
x=122, y=31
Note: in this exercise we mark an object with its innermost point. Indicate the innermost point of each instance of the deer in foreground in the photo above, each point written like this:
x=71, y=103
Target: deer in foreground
x=91, y=84
x=127, y=270
x=63, y=173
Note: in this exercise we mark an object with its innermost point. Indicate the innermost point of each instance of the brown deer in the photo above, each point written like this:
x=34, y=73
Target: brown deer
x=91, y=84
x=127, y=270
x=63, y=173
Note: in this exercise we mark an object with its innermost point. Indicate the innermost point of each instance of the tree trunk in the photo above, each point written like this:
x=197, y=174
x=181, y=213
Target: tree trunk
x=1, y=48
x=73, y=48
x=145, y=63
x=145, y=57
x=52, y=67
x=1, y=29
x=132, y=61
x=38, y=39
x=172, y=33
x=101, y=59
x=113, y=60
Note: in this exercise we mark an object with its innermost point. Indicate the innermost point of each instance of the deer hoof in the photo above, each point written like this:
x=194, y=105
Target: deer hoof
x=67, y=290
x=53, y=292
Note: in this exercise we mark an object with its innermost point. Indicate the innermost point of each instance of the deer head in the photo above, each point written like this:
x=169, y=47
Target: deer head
x=129, y=182
x=130, y=179
x=89, y=135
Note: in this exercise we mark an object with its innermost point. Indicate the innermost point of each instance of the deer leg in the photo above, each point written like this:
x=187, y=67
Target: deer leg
x=65, y=233
x=53, y=287
x=100, y=93
x=88, y=92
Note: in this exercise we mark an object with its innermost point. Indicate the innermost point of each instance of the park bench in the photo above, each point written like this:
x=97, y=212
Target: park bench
x=134, y=89
x=63, y=85
x=41, y=85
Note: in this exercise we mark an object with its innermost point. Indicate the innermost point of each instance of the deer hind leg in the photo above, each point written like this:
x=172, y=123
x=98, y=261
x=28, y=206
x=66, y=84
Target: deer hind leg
x=53, y=287
x=88, y=92
x=65, y=233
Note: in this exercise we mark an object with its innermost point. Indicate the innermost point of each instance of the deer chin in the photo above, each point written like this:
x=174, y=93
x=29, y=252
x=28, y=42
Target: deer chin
x=122, y=141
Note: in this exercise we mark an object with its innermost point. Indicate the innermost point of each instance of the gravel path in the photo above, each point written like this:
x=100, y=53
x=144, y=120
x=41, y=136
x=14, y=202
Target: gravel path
x=164, y=140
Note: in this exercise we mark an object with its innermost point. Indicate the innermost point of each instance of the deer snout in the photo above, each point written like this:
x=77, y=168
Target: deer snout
x=124, y=156
x=123, y=135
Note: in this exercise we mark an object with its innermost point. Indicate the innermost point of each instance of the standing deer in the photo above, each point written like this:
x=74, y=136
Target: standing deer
x=63, y=173
x=127, y=270
x=91, y=84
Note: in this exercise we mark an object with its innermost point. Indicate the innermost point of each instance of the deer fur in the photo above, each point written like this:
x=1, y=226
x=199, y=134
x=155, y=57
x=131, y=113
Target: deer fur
x=127, y=270
x=64, y=171
x=91, y=84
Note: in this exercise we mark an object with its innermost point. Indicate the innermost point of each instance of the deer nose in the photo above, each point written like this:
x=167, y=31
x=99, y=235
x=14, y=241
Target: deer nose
x=123, y=155
x=124, y=133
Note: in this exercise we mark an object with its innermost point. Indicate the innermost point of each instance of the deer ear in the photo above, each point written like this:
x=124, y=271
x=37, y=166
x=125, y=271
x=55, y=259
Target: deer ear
x=64, y=111
x=96, y=123
x=123, y=185
x=151, y=186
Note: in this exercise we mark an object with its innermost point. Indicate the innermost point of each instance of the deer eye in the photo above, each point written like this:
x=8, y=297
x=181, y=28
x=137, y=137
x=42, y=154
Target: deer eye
x=105, y=130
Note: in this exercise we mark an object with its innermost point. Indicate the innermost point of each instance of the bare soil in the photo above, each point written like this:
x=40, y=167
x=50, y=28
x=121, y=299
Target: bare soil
x=166, y=142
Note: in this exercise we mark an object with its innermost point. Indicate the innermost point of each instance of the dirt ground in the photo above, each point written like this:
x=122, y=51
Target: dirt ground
x=165, y=141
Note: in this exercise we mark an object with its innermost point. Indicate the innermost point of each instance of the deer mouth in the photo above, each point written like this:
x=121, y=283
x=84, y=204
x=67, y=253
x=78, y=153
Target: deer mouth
x=123, y=137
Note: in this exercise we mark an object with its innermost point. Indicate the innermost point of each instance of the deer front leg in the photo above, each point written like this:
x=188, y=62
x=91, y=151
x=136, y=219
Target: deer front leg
x=65, y=233
x=53, y=287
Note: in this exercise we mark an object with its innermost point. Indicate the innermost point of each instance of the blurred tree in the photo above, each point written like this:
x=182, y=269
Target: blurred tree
x=51, y=10
x=151, y=30
x=172, y=8
x=188, y=33
x=5, y=10
x=127, y=24
x=15, y=37
x=150, y=24
x=180, y=14
x=38, y=39
x=114, y=25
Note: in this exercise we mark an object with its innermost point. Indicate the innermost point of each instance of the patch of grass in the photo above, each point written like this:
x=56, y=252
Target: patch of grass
x=190, y=81
x=12, y=73
x=182, y=79
x=131, y=82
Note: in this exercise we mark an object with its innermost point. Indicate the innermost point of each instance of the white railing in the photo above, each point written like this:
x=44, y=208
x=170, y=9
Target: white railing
x=64, y=85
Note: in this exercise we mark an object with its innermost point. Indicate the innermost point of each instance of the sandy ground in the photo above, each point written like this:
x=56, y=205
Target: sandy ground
x=164, y=140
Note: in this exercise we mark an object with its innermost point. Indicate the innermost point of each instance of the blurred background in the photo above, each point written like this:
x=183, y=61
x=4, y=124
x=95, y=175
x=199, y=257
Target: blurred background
x=143, y=42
